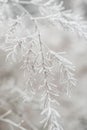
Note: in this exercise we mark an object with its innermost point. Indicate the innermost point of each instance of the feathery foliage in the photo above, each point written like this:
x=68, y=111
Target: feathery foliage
x=40, y=65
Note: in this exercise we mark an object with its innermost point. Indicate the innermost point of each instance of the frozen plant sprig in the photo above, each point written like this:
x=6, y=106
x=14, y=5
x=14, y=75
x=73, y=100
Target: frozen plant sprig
x=48, y=111
x=50, y=90
x=13, y=124
x=57, y=14
x=38, y=60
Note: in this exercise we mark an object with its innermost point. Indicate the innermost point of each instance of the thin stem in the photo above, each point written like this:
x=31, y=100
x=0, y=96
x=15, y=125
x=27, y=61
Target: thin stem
x=5, y=114
x=43, y=65
x=12, y=123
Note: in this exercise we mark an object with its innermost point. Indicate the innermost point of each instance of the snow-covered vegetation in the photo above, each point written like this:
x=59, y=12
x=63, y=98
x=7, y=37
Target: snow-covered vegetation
x=35, y=74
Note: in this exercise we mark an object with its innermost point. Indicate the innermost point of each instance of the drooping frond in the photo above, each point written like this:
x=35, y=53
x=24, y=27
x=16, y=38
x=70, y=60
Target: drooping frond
x=41, y=66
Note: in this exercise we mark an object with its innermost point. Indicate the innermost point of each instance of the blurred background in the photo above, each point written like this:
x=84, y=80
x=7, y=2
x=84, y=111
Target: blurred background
x=73, y=110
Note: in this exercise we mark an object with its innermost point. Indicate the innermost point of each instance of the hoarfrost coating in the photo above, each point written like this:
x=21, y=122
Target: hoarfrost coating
x=41, y=74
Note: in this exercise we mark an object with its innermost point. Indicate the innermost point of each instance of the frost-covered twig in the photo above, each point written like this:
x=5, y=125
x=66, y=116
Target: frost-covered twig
x=6, y=114
x=4, y=119
x=48, y=111
x=12, y=123
x=49, y=94
x=58, y=15
x=38, y=63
